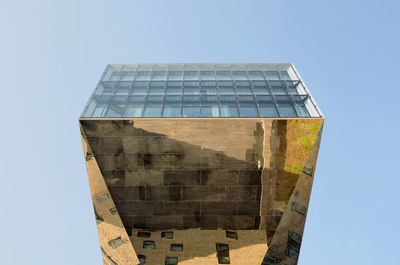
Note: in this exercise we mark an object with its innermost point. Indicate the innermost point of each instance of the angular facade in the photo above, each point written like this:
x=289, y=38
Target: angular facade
x=201, y=163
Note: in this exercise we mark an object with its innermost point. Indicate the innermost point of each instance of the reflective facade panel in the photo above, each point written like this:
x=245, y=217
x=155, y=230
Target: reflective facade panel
x=201, y=171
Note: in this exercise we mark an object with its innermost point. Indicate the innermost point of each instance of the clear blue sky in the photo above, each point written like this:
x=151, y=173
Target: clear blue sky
x=53, y=52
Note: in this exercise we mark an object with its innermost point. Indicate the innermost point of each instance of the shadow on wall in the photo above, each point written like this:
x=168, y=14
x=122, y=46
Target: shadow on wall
x=160, y=183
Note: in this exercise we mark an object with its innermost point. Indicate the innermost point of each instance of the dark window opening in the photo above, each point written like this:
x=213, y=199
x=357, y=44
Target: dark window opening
x=167, y=234
x=293, y=245
x=149, y=244
x=231, y=234
x=147, y=160
x=142, y=259
x=297, y=207
x=171, y=260
x=223, y=253
x=176, y=247
x=145, y=234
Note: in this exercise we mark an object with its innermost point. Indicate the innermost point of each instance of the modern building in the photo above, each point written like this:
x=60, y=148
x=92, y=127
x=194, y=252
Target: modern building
x=201, y=163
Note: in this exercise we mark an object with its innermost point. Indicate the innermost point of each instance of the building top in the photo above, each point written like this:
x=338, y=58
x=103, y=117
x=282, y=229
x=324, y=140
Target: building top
x=200, y=91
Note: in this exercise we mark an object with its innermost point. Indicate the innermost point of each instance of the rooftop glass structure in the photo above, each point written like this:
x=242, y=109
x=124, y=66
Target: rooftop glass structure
x=200, y=91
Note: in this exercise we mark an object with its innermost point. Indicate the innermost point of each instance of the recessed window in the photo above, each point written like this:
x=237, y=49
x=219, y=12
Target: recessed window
x=167, y=234
x=231, y=234
x=297, y=207
x=171, y=260
x=176, y=247
x=223, y=253
x=145, y=234
x=115, y=243
x=149, y=244
x=142, y=259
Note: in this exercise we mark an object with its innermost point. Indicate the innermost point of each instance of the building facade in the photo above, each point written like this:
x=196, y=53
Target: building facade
x=201, y=163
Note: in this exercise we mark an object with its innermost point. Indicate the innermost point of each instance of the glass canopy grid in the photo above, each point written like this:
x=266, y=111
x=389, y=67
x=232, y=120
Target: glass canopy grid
x=200, y=90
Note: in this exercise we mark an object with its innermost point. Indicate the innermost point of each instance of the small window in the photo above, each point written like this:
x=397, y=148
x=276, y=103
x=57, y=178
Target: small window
x=115, y=243
x=231, y=234
x=149, y=244
x=142, y=259
x=223, y=253
x=171, y=260
x=167, y=234
x=176, y=247
x=297, y=207
x=145, y=234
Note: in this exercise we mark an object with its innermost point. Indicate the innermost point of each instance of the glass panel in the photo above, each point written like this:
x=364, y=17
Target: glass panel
x=278, y=90
x=191, y=91
x=143, y=75
x=286, y=110
x=155, y=98
x=227, y=98
x=256, y=75
x=210, y=111
x=105, y=88
x=90, y=108
x=115, y=110
x=152, y=110
x=261, y=91
x=224, y=75
x=226, y=91
x=175, y=75
x=159, y=75
x=140, y=84
x=272, y=75
x=245, y=98
x=267, y=110
x=139, y=91
x=225, y=84
x=174, y=91
x=302, y=110
x=134, y=111
x=172, y=111
x=156, y=91
x=126, y=76
x=191, y=98
x=209, y=91
x=111, y=73
x=207, y=84
x=264, y=98
x=207, y=75
x=239, y=75
x=229, y=111
x=191, y=75
x=285, y=75
x=206, y=99
x=173, y=98
x=248, y=110
x=244, y=91
x=191, y=111
x=99, y=110
x=123, y=88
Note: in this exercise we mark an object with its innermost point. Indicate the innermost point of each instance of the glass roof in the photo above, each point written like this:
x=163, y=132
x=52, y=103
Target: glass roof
x=200, y=90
